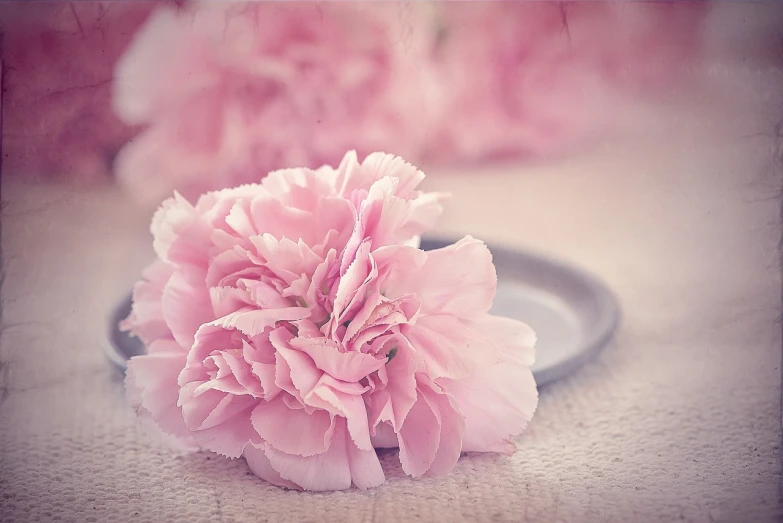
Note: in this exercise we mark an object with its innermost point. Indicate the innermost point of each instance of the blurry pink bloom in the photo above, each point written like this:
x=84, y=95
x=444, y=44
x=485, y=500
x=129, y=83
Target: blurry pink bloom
x=296, y=324
x=58, y=64
x=233, y=89
x=535, y=79
x=646, y=47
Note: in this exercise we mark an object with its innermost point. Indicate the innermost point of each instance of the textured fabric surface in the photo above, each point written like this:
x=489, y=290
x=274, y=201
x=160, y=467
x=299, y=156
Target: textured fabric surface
x=678, y=419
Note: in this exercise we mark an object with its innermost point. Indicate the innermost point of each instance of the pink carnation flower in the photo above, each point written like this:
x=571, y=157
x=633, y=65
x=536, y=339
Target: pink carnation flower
x=536, y=79
x=228, y=90
x=296, y=323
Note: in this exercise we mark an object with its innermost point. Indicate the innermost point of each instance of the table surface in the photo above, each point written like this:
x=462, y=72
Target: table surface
x=679, y=418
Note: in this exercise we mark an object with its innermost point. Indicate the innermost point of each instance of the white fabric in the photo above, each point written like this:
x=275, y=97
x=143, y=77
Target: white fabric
x=678, y=419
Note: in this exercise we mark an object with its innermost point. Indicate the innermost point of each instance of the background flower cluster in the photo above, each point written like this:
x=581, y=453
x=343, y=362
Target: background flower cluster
x=201, y=95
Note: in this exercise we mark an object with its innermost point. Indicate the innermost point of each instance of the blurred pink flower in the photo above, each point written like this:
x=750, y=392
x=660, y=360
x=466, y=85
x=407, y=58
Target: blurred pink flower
x=231, y=90
x=535, y=79
x=58, y=62
x=296, y=324
x=645, y=47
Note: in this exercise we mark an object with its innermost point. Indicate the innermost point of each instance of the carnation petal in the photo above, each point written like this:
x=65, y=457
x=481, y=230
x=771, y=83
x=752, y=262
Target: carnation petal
x=366, y=471
x=260, y=466
x=458, y=280
x=497, y=403
x=186, y=305
x=452, y=429
x=345, y=400
x=419, y=439
x=329, y=470
x=303, y=373
x=180, y=235
x=394, y=402
x=253, y=321
x=146, y=319
x=293, y=431
x=449, y=348
x=514, y=336
x=151, y=385
x=285, y=258
x=345, y=366
x=228, y=439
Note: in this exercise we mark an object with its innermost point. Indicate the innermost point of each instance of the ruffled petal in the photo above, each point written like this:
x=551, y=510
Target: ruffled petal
x=419, y=438
x=345, y=366
x=514, y=336
x=180, y=235
x=395, y=400
x=294, y=368
x=449, y=348
x=497, y=404
x=146, y=319
x=293, y=431
x=230, y=438
x=366, y=471
x=458, y=280
x=186, y=305
x=452, y=430
x=260, y=466
x=152, y=390
x=253, y=322
x=343, y=399
x=329, y=470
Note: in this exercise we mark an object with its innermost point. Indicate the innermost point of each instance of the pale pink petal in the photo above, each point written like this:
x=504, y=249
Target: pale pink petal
x=419, y=439
x=282, y=221
x=452, y=430
x=516, y=337
x=459, y=280
x=344, y=400
x=186, y=305
x=366, y=471
x=329, y=470
x=243, y=372
x=285, y=258
x=302, y=372
x=353, y=287
x=260, y=466
x=211, y=407
x=451, y=349
x=377, y=316
x=240, y=219
x=229, y=262
x=151, y=385
x=497, y=404
x=181, y=235
x=253, y=321
x=395, y=400
x=293, y=431
x=265, y=373
x=264, y=294
x=301, y=188
x=346, y=366
x=383, y=165
x=228, y=439
x=146, y=319
x=228, y=300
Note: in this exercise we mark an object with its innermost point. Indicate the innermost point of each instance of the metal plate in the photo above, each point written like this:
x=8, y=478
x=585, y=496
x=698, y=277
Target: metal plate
x=573, y=313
